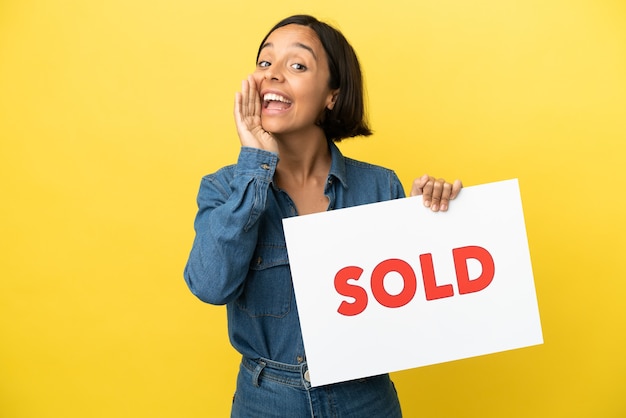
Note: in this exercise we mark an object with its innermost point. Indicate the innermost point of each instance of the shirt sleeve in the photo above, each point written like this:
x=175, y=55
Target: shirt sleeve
x=397, y=191
x=230, y=204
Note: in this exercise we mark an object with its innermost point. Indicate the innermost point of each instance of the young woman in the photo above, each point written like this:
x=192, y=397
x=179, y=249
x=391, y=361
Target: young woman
x=305, y=94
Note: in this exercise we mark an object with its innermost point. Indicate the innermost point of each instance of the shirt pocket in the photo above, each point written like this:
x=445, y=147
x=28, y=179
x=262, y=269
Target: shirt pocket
x=268, y=290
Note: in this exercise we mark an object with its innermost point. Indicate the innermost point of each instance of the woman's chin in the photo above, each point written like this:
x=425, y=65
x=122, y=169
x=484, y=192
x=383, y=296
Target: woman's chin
x=273, y=128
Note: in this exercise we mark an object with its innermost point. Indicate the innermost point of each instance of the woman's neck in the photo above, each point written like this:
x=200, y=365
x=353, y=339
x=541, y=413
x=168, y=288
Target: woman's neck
x=303, y=159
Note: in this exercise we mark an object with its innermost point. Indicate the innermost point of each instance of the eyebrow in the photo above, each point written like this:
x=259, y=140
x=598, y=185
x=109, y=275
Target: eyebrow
x=296, y=44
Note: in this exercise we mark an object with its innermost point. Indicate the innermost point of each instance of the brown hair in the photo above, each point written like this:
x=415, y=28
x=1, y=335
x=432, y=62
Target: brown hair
x=347, y=118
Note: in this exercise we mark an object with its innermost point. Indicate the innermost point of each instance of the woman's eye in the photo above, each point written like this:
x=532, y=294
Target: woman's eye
x=298, y=67
x=263, y=64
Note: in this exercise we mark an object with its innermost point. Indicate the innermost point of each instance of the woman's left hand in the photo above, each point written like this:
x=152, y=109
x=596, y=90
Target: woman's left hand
x=437, y=193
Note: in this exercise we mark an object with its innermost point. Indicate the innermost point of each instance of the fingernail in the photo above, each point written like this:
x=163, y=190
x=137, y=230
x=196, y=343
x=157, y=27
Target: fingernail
x=427, y=203
x=435, y=207
x=444, y=207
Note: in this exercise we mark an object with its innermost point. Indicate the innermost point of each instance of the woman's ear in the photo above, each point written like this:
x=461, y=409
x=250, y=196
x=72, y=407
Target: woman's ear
x=332, y=99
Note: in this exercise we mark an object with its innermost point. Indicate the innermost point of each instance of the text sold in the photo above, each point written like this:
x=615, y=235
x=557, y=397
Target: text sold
x=431, y=289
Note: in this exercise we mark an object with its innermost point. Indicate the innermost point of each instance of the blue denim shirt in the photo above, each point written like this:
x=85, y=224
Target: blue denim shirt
x=239, y=256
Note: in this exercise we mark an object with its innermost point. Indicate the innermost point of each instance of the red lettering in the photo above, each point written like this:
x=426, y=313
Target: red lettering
x=461, y=255
x=345, y=289
x=378, y=283
x=432, y=290
x=430, y=282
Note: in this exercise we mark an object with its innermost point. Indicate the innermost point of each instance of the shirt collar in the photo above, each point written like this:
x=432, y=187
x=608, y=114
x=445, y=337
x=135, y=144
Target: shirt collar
x=337, y=164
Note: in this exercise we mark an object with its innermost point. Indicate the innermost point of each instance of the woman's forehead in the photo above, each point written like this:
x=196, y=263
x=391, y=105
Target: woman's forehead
x=294, y=36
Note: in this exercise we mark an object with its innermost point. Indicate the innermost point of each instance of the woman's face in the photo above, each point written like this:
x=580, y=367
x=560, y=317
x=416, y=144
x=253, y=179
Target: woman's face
x=292, y=77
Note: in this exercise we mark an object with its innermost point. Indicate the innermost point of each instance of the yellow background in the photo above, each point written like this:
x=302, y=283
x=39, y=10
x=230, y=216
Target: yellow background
x=111, y=111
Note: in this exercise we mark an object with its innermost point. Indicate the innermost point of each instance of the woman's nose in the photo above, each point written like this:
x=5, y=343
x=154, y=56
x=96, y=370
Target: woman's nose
x=273, y=74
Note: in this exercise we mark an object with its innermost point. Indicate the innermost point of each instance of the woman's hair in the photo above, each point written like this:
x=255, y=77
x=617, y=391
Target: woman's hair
x=347, y=118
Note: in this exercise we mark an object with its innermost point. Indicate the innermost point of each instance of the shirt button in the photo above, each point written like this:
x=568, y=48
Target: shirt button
x=259, y=261
x=300, y=359
x=307, y=377
x=265, y=166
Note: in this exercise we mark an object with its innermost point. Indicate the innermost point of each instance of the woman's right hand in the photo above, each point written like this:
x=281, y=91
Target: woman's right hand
x=248, y=118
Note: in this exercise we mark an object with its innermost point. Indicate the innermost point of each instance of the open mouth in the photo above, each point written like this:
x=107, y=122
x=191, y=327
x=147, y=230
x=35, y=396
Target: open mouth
x=272, y=101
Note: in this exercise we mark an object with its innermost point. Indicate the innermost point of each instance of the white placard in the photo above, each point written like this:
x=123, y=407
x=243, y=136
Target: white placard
x=363, y=277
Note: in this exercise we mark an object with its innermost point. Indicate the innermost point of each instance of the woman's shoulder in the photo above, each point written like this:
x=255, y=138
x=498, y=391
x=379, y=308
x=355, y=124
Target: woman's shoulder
x=366, y=168
x=366, y=178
